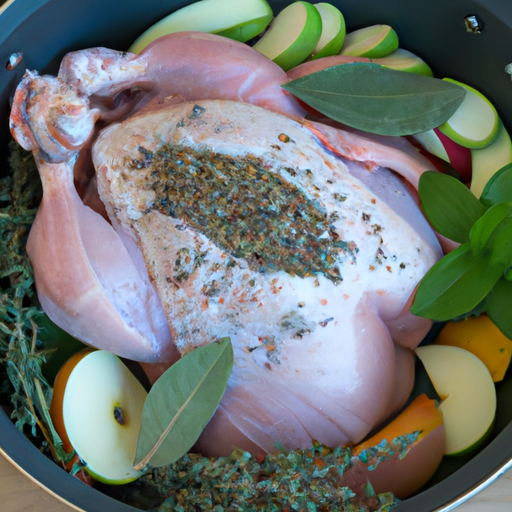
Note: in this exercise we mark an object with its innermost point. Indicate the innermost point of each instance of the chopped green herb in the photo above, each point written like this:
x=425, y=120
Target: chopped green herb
x=197, y=111
x=298, y=480
x=186, y=262
x=248, y=211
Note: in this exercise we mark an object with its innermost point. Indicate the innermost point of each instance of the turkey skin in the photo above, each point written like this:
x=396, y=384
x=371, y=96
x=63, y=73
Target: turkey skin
x=251, y=226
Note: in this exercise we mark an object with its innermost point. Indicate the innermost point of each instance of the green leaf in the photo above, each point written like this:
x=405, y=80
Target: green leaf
x=502, y=244
x=456, y=284
x=499, y=306
x=181, y=403
x=486, y=226
x=499, y=188
x=59, y=344
x=378, y=100
x=449, y=205
x=475, y=312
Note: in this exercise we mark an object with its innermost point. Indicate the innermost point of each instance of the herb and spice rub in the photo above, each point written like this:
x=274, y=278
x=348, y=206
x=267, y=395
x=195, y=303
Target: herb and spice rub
x=250, y=228
x=246, y=210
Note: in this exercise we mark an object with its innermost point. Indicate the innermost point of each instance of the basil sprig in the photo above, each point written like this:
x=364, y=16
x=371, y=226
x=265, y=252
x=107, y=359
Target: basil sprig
x=479, y=271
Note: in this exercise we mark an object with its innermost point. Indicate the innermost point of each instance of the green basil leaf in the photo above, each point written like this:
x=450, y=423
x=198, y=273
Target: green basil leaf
x=499, y=188
x=499, y=306
x=449, y=205
x=502, y=244
x=181, y=402
x=455, y=285
x=486, y=226
x=377, y=99
x=476, y=311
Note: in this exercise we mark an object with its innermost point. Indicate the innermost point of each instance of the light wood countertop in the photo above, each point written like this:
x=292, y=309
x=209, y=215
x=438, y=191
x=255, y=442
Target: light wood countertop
x=19, y=494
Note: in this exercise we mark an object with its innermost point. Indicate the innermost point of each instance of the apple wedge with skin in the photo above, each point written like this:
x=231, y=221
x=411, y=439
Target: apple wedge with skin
x=333, y=31
x=475, y=123
x=292, y=36
x=437, y=143
x=374, y=41
x=467, y=392
x=237, y=20
x=404, y=60
x=489, y=160
x=100, y=403
x=59, y=388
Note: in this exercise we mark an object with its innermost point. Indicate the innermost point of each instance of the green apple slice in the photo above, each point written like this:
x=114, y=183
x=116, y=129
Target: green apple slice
x=292, y=36
x=237, y=20
x=475, y=123
x=373, y=42
x=431, y=143
x=333, y=31
x=467, y=391
x=404, y=60
x=102, y=411
x=489, y=160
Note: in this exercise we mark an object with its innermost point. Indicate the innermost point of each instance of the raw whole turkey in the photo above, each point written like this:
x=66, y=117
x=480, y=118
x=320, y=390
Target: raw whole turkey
x=225, y=212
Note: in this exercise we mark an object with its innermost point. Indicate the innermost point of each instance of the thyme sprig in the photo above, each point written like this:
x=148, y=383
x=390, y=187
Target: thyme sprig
x=20, y=358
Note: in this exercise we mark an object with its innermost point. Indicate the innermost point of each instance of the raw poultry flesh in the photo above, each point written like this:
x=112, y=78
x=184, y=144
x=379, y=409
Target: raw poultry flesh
x=229, y=219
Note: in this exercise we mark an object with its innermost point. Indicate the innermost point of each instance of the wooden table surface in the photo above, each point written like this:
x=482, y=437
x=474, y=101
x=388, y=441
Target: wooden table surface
x=19, y=494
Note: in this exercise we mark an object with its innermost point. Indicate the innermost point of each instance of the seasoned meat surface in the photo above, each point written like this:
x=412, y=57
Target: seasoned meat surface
x=250, y=228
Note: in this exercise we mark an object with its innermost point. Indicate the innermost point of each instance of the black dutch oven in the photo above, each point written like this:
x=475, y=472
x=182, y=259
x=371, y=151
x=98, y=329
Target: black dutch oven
x=468, y=40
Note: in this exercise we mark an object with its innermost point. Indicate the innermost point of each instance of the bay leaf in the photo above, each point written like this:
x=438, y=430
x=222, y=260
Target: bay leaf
x=499, y=188
x=456, y=284
x=377, y=99
x=499, y=306
x=449, y=205
x=181, y=402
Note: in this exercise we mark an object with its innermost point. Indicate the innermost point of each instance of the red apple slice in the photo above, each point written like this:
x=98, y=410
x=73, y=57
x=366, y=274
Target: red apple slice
x=438, y=144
